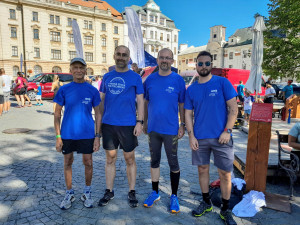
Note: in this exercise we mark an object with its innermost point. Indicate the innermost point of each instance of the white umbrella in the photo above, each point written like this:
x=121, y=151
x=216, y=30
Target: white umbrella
x=254, y=81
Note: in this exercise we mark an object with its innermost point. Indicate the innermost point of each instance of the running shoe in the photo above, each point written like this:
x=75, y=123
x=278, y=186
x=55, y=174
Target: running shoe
x=202, y=208
x=227, y=217
x=37, y=104
x=132, y=200
x=41, y=104
x=87, y=199
x=153, y=197
x=108, y=195
x=67, y=202
x=174, y=204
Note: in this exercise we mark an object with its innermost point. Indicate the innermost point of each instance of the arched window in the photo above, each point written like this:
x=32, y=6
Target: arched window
x=103, y=71
x=56, y=69
x=90, y=71
x=15, y=71
x=37, y=69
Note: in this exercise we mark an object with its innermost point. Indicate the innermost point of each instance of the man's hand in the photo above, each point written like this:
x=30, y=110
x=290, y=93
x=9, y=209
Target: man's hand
x=145, y=128
x=193, y=143
x=96, y=144
x=59, y=144
x=138, y=129
x=181, y=132
x=224, y=138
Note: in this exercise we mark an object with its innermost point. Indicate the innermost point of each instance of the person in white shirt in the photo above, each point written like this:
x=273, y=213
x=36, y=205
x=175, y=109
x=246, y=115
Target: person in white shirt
x=248, y=102
x=6, y=90
x=270, y=93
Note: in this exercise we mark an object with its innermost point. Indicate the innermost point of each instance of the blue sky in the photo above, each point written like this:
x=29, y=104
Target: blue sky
x=195, y=17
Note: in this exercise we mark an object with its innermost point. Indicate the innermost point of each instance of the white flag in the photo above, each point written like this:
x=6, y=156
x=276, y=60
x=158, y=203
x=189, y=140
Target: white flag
x=77, y=39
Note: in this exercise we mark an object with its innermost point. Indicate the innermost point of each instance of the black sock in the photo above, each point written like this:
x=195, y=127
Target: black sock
x=206, y=198
x=155, y=186
x=225, y=204
x=174, y=182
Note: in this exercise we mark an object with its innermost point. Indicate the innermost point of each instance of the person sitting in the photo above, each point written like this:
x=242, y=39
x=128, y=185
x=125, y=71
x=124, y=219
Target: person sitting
x=294, y=139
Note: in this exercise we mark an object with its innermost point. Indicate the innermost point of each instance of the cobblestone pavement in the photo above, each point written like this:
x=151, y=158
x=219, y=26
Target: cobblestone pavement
x=32, y=182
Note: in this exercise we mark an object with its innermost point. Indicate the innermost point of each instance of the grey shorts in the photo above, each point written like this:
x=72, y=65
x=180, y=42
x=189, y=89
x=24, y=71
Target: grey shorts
x=6, y=96
x=223, y=154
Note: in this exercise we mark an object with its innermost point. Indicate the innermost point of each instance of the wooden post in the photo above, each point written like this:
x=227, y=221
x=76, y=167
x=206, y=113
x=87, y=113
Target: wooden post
x=259, y=137
x=293, y=103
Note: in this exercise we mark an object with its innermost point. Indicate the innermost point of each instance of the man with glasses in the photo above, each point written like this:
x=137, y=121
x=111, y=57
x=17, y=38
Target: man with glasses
x=164, y=94
x=213, y=100
x=119, y=90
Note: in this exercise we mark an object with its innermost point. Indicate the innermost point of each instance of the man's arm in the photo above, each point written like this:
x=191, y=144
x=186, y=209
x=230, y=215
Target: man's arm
x=101, y=109
x=97, y=125
x=57, y=119
x=182, y=120
x=189, y=126
x=293, y=142
x=145, y=127
x=140, y=109
x=232, y=115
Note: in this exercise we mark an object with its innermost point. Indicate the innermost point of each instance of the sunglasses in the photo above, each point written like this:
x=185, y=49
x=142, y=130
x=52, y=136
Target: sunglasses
x=206, y=63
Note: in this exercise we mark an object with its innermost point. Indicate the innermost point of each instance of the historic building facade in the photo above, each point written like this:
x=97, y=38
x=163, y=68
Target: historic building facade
x=158, y=30
x=41, y=30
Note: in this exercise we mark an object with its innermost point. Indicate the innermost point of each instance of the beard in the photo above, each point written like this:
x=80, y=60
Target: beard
x=204, y=72
x=164, y=66
x=121, y=64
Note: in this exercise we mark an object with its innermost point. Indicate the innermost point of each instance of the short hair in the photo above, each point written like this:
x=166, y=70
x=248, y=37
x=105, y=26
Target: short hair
x=165, y=49
x=241, y=81
x=205, y=53
x=122, y=46
x=134, y=64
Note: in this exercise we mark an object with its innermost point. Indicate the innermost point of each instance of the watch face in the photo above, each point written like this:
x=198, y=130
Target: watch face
x=229, y=131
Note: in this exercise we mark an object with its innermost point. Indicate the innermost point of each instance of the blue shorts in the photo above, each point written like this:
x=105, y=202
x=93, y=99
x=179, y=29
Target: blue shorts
x=248, y=111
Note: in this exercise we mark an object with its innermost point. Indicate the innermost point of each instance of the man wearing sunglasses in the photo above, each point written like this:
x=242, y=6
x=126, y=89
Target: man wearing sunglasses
x=164, y=94
x=213, y=100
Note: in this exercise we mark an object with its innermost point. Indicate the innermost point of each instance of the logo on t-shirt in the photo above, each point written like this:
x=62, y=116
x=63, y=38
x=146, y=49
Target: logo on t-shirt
x=116, y=85
x=213, y=92
x=170, y=89
x=86, y=101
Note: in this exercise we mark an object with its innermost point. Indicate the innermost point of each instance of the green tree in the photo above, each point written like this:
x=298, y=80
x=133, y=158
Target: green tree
x=282, y=39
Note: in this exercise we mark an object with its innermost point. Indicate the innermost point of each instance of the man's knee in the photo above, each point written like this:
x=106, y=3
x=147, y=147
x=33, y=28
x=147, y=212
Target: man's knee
x=88, y=161
x=225, y=175
x=68, y=161
x=111, y=159
x=129, y=158
x=203, y=169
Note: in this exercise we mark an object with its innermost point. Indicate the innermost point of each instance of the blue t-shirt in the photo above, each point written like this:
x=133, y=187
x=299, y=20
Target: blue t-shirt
x=288, y=90
x=39, y=91
x=120, y=92
x=78, y=99
x=164, y=93
x=240, y=90
x=208, y=101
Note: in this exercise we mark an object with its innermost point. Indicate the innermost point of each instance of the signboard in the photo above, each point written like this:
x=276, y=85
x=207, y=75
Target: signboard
x=261, y=112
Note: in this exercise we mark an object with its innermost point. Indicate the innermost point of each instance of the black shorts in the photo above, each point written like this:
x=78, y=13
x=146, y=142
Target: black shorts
x=83, y=146
x=21, y=91
x=114, y=137
x=1, y=99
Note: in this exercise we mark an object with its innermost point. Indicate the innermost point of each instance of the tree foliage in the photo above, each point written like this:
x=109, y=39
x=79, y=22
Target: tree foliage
x=282, y=39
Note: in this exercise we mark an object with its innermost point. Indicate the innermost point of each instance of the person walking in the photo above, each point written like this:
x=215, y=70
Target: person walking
x=120, y=128
x=38, y=97
x=20, y=90
x=56, y=84
x=287, y=91
x=1, y=94
x=240, y=89
x=6, y=90
x=77, y=131
x=25, y=83
x=212, y=101
x=164, y=94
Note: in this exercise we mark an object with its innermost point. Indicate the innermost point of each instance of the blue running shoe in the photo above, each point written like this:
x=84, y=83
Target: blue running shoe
x=153, y=197
x=174, y=204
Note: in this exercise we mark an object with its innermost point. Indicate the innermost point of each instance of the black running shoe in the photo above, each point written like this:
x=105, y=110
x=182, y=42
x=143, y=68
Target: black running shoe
x=108, y=195
x=227, y=217
x=202, y=208
x=132, y=200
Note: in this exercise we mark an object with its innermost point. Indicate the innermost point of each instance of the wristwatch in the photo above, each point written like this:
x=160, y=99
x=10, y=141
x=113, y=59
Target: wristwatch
x=229, y=131
x=182, y=124
x=140, y=121
x=98, y=135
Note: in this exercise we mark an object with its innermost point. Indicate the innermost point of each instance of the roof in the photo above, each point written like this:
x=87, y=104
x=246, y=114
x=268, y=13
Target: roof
x=245, y=35
x=193, y=49
x=96, y=3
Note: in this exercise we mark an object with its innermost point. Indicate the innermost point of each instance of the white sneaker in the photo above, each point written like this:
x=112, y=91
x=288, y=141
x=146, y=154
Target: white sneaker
x=67, y=202
x=87, y=199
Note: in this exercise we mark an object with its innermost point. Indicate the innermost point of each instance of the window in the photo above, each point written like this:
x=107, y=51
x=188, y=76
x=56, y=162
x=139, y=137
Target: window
x=69, y=22
x=89, y=71
x=116, y=30
x=179, y=63
x=57, y=20
x=143, y=18
x=144, y=33
x=37, y=69
x=230, y=55
x=152, y=48
x=36, y=34
x=56, y=69
x=161, y=36
x=231, y=40
x=72, y=54
x=186, y=61
x=230, y=66
x=151, y=18
x=103, y=26
x=116, y=43
x=175, y=51
x=37, y=52
x=168, y=37
x=12, y=14
x=103, y=42
x=88, y=25
x=151, y=34
x=215, y=35
x=55, y=36
x=35, y=16
x=88, y=40
x=162, y=21
x=215, y=56
x=103, y=58
x=55, y=54
x=244, y=67
x=13, y=32
x=244, y=53
x=175, y=38
x=14, y=51
x=52, y=19
x=155, y=34
x=89, y=56
x=155, y=19
x=156, y=49
x=15, y=70
x=71, y=38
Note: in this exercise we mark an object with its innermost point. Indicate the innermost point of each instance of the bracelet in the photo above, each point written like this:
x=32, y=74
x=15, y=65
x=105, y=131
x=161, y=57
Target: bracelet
x=58, y=136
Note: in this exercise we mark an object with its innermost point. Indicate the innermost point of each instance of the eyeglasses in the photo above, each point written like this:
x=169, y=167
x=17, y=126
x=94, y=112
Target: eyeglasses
x=206, y=63
x=121, y=54
x=164, y=58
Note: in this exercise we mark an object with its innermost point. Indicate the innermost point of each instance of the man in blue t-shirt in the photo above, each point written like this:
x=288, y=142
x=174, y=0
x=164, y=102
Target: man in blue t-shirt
x=164, y=94
x=287, y=90
x=119, y=91
x=240, y=91
x=77, y=131
x=213, y=100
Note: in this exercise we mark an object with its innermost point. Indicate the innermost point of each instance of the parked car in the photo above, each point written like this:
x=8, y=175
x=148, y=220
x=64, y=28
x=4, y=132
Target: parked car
x=277, y=88
x=45, y=80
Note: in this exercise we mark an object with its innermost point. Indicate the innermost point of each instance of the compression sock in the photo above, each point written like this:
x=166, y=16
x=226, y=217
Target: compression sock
x=206, y=198
x=225, y=204
x=155, y=186
x=174, y=182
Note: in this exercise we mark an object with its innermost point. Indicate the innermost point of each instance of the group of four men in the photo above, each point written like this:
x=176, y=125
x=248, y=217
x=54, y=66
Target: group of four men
x=207, y=110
